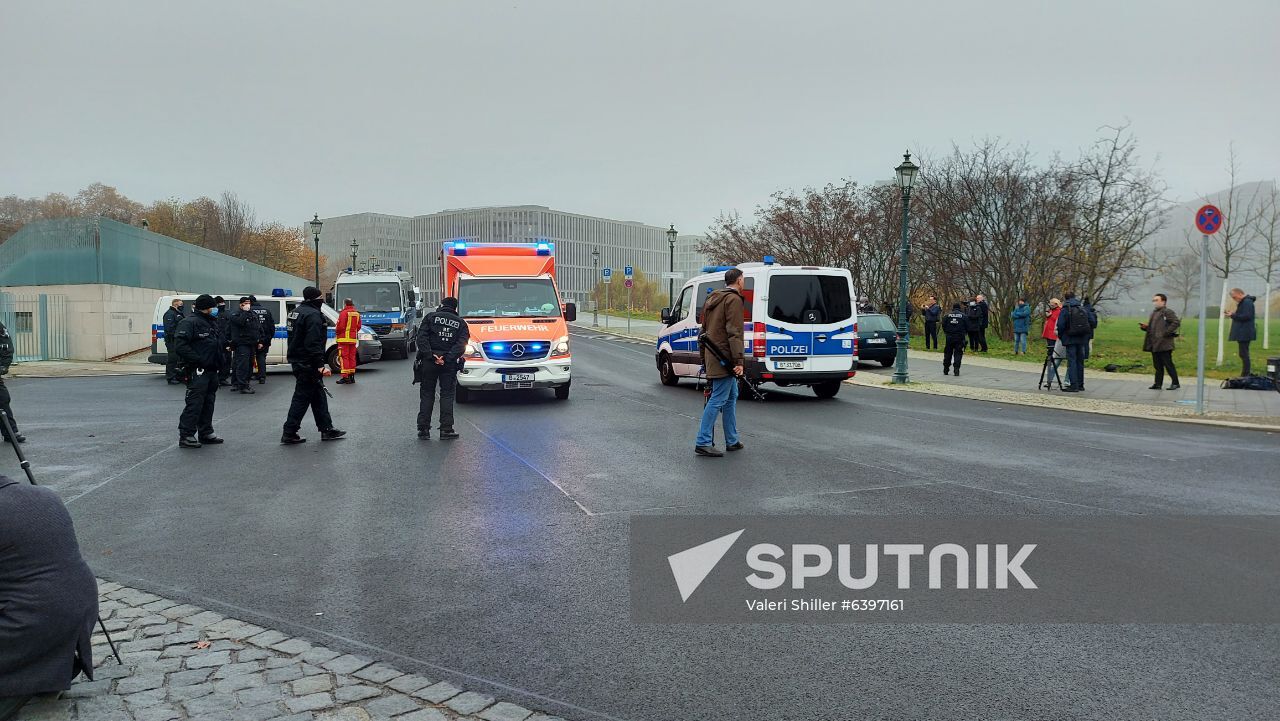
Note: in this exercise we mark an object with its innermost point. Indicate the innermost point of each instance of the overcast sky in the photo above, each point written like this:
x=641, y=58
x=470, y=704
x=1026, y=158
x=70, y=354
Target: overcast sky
x=663, y=112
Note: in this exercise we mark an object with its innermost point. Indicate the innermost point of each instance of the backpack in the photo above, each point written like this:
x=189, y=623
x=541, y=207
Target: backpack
x=1078, y=321
x=1250, y=383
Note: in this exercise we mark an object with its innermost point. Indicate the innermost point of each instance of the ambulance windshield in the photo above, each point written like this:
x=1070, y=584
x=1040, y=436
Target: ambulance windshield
x=507, y=298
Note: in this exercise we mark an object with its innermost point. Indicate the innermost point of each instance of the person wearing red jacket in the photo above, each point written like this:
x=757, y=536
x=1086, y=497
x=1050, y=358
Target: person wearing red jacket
x=348, y=335
x=1051, y=314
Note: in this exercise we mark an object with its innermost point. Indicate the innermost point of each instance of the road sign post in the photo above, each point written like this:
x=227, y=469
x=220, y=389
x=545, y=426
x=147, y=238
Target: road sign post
x=1208, y=221
x=606, y=277
x=627, y=272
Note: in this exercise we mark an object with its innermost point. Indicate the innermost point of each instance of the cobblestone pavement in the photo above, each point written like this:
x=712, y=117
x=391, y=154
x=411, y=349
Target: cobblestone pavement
x=184, y=662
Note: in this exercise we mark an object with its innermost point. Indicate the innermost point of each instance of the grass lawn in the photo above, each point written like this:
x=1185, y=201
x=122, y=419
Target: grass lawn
x=1119, y=341
x=636, y=313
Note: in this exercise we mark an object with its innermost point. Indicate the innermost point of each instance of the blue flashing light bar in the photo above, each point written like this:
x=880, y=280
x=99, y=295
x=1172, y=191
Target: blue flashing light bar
x=715, y=268
x=768, y=260
x=544, y=248
x=459, y=248
x=280, y=293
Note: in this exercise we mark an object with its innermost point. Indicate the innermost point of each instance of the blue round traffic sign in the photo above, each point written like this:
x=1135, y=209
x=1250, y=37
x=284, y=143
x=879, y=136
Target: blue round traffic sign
x=1208, y=219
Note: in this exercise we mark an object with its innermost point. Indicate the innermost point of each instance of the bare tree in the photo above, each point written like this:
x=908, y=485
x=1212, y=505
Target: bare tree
x=1231, y=242
x=1121, y=206
x=1267, y=230
x=1182, y=274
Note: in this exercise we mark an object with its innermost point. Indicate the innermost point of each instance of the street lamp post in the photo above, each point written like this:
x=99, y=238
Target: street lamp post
x=355, y=248
x=316, y=224
x=906, y=176
x=595, y=302
x=671, y=282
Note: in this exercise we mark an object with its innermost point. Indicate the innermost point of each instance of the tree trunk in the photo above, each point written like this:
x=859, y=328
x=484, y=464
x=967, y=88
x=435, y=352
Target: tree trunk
x=1222, y=324
x=1266, y=318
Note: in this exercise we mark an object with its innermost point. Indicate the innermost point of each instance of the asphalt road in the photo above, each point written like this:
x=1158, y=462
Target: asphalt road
x=500, y=559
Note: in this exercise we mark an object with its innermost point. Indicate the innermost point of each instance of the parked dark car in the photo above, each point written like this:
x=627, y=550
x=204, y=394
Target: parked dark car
x=877, y=339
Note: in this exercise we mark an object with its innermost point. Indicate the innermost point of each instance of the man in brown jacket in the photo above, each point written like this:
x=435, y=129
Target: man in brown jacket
x=1161, y=328
x=722, y=320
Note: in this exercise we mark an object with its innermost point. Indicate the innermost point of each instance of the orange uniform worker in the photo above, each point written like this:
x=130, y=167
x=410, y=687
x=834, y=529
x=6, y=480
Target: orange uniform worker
x=347, y=335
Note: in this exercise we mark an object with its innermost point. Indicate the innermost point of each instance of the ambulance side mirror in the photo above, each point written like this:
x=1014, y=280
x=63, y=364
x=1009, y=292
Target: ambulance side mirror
x=570, y=312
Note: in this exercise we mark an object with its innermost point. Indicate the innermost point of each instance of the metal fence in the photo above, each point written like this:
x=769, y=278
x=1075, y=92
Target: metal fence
x=37, y=324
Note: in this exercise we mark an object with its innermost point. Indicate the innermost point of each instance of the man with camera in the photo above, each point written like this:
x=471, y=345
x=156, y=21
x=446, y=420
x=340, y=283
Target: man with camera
x=722, y=318
x=1075, y=325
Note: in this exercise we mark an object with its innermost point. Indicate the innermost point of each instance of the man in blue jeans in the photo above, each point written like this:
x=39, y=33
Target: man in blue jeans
x=722, y=320
x=1075, y=325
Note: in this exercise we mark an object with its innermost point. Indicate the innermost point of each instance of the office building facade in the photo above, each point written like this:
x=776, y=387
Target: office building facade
x=415, y=243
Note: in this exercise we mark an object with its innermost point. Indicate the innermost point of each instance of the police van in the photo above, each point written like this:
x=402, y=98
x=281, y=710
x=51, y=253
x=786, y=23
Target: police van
x=800, y=326
x=281, y=303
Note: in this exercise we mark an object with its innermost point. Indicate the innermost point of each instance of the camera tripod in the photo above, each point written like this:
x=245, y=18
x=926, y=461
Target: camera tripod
x=26, y=468
x=1049, y=371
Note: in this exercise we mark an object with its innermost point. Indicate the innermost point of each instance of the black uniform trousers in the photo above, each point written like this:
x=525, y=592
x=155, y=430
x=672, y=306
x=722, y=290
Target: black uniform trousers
x=261, y=358
x=228, y=363
x=4, y=406
x=308, y=392
x=243, y=364
x=197, y=414
x=1163, y=361
x=930, y=334
x=954, y=352
x=447, y=377
x=171, y=366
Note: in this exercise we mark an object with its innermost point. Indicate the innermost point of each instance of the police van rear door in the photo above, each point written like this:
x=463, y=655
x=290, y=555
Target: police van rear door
x=809, y=321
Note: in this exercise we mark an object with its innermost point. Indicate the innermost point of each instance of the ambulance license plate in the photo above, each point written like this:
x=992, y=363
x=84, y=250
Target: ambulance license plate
x=517, y=378
x=789, y=365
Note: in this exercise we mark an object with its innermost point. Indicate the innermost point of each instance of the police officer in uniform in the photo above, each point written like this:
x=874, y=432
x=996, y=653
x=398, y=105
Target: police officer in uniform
x=199, y=348
x=442, y=339
x=172, y=317
x=245, y=335
x=224, y=328
x=266, y=332
x=308, y=332
x=955, y=326
x=6, y=358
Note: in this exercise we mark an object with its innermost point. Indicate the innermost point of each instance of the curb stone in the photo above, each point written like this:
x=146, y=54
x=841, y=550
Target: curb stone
x=247, y=672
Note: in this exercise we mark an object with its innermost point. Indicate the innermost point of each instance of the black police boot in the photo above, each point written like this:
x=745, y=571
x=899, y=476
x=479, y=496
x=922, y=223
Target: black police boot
x=211, y=440
x=448, y=434
x=290, y=439
x=332, y=434
x=188, y=442
x=424, y=434
x=345, y=380
x=262, y=380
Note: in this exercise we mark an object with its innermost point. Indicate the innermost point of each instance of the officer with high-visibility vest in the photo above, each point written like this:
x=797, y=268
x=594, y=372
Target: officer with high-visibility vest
x=348, y=336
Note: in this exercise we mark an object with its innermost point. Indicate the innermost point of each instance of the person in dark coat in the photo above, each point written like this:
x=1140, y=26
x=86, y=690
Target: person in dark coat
x=171, y=319
x=955, y=326
x=224, y=331
x=1161, y=330
x=6, y=358
x=985, y=309
x=1093, y=320
x=1021, y=317
x=199, y=349
x=442, y=339
x=1074, y=326
x=1243, y=330
x=973, y=324
x=932, y=313
x=246, y=334
x=48, y=596
x=308, y=333
x=266, y=333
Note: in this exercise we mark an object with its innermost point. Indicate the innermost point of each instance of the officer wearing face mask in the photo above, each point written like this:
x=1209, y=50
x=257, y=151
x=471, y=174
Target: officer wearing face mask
x=245, y=335
x=199, y=348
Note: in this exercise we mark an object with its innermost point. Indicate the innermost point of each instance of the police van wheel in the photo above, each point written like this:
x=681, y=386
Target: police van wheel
x=827, y=390
x=332, y=359
x=562, y=392
x=666, y=372
x=461, y=395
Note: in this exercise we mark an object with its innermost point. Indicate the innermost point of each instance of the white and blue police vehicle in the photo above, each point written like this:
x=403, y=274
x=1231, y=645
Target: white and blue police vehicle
x=388, y=302
x=800, y=326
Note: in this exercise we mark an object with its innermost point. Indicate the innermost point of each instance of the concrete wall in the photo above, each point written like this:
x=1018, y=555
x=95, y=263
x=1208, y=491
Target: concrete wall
x=103, y=321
